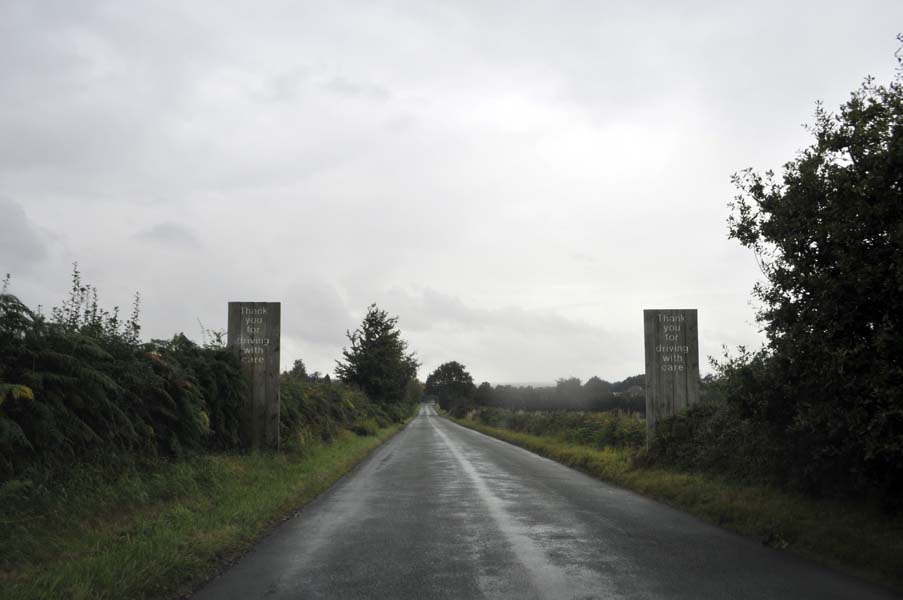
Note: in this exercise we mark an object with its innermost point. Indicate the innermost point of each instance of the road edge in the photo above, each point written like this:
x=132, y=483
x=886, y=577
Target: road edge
x=766, y=536
x=230, y=559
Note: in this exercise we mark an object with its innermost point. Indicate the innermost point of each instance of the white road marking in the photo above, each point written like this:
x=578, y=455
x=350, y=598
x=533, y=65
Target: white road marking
x=547, y=579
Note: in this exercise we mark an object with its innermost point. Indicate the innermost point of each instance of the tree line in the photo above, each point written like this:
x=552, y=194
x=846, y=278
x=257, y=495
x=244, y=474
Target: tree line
x=453, y=388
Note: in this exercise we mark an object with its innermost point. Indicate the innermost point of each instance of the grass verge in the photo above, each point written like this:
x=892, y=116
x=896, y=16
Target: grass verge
x=859, y=540
x=157, y=533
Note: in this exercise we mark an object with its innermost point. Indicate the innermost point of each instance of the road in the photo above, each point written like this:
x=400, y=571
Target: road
x=441, y=511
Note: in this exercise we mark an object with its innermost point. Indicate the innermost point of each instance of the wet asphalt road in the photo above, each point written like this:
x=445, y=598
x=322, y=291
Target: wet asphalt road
x=441, y=511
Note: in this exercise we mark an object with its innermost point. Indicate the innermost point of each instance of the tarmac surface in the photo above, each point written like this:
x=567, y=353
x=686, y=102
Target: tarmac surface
x=440, y=511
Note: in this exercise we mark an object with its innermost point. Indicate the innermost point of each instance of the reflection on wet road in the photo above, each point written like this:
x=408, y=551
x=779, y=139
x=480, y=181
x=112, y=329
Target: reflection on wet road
x=441, y=511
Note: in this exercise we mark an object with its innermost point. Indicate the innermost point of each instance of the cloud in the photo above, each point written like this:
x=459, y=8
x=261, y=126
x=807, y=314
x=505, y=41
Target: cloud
x=23, y=245
x=515, y=181
x=358, y=89
x=506, y=344
x=315, y=312
x=169, y=233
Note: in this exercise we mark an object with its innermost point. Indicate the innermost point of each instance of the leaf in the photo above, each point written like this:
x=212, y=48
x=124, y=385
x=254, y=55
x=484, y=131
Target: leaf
x=15, y=391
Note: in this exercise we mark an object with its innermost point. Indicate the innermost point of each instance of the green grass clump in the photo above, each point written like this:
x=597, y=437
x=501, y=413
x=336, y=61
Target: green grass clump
x=857, y=538
x=365, y=427
x=156, y=532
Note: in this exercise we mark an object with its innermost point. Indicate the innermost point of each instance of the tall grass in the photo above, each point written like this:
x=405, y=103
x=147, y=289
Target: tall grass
x=156, y=532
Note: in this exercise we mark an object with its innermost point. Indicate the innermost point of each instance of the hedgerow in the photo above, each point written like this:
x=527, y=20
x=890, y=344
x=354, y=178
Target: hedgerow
x=79, y=386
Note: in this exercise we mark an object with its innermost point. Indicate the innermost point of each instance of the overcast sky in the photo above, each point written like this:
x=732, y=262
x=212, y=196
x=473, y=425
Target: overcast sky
x=516, y=181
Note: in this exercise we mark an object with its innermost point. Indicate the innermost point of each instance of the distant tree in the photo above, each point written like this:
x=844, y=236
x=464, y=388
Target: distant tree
x=569, y=394
x=450, y=382
x=414, y=391
x=484, y=395
x=623, y=386
x=378, y=361
x=829, y=241
x=598, y=394
x=298, y=369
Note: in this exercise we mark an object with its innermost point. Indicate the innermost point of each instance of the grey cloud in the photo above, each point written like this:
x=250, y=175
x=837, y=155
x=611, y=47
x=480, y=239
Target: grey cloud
x=288, y=85
x=314, y=311
x=430, y=308
x=171, y=234
x=505, y=344
x=22, y=244
x=360, y=89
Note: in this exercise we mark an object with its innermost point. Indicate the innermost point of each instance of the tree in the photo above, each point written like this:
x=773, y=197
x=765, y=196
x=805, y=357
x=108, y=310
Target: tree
x=829, y=241
x=569, y=394
x=451, y=383
x=484, y=395
x=598, y=393
x=378, y=361
x=298, y=369
x=413, y=392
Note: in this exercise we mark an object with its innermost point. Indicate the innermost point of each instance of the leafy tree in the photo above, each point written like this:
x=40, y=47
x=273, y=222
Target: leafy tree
x=378, y=361
x=598, y=393
x=484, y=394
x=414, y=391
x=828, y=237
x=629, y=382
x=451, y=383
x=568, y=386
x=298, y=369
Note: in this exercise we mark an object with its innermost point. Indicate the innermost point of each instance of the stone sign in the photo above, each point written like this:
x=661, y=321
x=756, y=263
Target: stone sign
x=672, y=363
x=254, y=336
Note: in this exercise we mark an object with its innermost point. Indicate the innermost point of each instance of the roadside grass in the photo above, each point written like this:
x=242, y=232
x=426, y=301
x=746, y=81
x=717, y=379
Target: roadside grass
x=857, y=539
x=158, y=533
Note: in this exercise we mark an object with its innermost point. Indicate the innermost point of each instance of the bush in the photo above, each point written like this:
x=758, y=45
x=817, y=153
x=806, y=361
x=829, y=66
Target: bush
x=718, y=439
x=80, y=387
x=365, y=427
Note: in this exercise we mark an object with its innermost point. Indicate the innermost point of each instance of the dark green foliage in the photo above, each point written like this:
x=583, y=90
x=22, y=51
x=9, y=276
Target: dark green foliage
x=298, y=369
x=94, y=392
x=829, y=239
x=365, y=427
x=378, y=361
x=316, y=410
x=594, y=429
x=718, y=439
x=453, y=386
x=214, y=370
x=820, y=408
x=80, y=387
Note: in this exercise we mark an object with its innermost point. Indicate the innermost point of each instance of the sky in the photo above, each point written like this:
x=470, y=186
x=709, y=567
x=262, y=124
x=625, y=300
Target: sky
x=516, y=181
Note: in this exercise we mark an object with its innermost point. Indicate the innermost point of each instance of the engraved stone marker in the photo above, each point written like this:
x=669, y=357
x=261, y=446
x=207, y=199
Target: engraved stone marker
x=254, y=336
x=672, y=363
